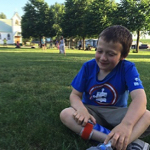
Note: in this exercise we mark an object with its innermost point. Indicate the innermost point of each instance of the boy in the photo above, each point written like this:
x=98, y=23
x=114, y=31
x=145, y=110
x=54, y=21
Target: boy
x=100, y=94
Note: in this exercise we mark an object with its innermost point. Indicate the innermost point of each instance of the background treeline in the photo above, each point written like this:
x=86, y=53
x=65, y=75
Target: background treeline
x=82, y=19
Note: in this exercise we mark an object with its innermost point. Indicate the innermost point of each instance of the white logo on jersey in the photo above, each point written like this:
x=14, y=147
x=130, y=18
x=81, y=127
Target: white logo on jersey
x=137, y=82
x=101, y=96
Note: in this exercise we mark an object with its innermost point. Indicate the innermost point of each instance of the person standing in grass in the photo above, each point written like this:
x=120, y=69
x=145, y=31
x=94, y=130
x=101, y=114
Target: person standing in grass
x=62, y=46
x=99, y=98
x=43, y=42
x=5, y=42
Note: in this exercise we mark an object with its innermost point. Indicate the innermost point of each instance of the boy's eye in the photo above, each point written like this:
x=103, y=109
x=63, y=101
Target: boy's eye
x=111, y=54
x=99, y=51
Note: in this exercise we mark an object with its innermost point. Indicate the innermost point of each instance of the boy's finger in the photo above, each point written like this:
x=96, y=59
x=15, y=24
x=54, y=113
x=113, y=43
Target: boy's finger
x=108, y=138
x=75, y=113
x=93, y=119
x=85, y=122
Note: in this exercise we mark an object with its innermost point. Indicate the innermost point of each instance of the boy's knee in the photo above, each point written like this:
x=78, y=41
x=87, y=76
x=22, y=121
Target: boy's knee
x=65, y=114
x=62, y=114
x=147, y=116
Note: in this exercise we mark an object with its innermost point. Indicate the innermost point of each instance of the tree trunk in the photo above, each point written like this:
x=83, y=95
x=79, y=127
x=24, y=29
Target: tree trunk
x=137, y=44
x=83, y=46
x=69, y=44
x=40, y=45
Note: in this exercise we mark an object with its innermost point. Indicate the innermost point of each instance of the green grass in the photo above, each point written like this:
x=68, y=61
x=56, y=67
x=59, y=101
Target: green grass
x=145, y=41
x=35, y=87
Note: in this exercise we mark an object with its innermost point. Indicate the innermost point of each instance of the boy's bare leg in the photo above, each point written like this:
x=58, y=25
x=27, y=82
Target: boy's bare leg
x=72, y=124
x=138, y=129
x=141, y=126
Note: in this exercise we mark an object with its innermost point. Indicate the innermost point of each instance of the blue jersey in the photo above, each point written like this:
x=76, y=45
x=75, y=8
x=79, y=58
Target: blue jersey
x=113, y=90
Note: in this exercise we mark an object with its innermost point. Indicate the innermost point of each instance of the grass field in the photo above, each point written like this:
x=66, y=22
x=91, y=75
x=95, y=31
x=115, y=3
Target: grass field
x=145, y=41
x=35, y=87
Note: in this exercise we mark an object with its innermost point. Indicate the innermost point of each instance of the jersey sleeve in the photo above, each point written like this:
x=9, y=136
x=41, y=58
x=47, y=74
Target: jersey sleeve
x=132, y=78
x=79, y=82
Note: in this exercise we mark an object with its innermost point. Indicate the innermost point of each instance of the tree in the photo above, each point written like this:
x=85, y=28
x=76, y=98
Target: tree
x=57, y=12
x=36, y=21
x=97, y=16
x=73, y=22
x=2, y=16
x=133, y=14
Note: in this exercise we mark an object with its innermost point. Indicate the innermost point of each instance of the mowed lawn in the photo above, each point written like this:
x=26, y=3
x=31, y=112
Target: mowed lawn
x=35, y=87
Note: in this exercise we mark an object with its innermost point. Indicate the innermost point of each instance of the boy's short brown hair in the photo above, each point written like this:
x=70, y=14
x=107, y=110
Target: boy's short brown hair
x=118, y=33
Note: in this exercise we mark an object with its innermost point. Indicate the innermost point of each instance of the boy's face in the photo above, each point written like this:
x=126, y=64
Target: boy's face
x=108, y=55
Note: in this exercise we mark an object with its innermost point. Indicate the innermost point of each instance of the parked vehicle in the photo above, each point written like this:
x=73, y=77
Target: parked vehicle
x=134, y=44
x=143, y=46
x=91, y=42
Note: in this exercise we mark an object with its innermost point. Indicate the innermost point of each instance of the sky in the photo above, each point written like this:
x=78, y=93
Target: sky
x=9, y=7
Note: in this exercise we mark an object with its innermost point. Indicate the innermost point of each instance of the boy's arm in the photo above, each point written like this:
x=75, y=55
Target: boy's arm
x=121, y=134
x=81, y=114
x=136, y=109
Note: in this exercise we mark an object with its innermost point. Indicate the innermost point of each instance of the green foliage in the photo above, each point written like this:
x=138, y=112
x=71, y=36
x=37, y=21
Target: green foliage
x=74, y=23
x=83, y=18
x=3, y=16
x=67, y=19
x=97, y=16
x=57, y=12
x=133, y=14
x=36, y=20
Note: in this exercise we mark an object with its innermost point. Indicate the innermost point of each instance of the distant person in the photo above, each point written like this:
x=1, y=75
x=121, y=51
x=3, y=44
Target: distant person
x=43, y=42
x=51, y=44
x=80, y=46
x=57, y=45
x=5, y=42
x=62, y=46
x=18, y=45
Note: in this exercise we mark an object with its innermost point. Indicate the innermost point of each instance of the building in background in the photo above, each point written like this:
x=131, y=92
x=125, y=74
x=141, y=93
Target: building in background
x=10, y=29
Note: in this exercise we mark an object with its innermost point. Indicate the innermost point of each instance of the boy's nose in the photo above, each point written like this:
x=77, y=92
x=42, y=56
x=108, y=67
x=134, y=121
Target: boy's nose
x=103, y=56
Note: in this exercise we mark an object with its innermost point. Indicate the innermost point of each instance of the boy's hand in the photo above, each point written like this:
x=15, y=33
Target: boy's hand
x=119, y=136
x=82, y=117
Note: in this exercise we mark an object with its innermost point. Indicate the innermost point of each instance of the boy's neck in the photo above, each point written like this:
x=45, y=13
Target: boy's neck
x=102, y=74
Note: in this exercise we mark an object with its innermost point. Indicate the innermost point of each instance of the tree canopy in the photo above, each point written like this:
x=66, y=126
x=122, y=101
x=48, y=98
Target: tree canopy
x=57, y=12
x=97, y=16
x=74, y=19
x=3, y=16
x=135, y=15
x=36, y=21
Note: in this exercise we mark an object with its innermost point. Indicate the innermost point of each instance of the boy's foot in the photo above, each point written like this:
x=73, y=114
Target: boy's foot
x=135, y=145
x=138, y=145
